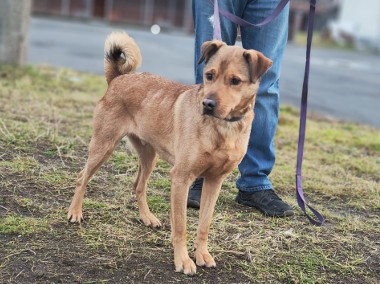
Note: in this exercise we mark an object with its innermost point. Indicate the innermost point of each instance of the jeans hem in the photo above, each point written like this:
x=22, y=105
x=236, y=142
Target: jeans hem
x=255, y=188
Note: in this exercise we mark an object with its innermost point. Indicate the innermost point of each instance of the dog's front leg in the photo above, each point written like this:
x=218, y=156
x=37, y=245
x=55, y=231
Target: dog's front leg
x=210, y=192
x=180, y=183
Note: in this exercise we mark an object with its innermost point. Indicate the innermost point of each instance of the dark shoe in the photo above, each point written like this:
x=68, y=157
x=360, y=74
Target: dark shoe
x=195, y=192
x=267, y=201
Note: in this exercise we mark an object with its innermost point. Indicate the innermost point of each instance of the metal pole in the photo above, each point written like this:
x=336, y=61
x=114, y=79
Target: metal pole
x=187, y=17
x=89, y=8
x=65, y=7
x=108, y=9
x=172, y=11
x=148, y=12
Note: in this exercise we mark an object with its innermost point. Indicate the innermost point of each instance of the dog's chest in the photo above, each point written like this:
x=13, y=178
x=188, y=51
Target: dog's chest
x=227, y=149
x=225, y=158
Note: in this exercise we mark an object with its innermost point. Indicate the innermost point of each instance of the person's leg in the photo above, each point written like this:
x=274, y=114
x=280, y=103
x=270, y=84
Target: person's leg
x=272, y=45
x=259, y=160
x=203, y=10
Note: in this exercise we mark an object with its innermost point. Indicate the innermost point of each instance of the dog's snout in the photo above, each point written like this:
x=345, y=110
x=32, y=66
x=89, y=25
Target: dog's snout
x=209, y=104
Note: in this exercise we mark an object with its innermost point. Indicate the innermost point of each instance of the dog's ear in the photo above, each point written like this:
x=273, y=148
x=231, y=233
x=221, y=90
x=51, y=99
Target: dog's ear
x=209, y=48
x=258, y=64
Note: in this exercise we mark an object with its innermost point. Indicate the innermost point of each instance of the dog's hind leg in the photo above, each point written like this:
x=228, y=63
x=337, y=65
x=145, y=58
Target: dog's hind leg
x=210, y=192
x=147, y=161
x=105, y=138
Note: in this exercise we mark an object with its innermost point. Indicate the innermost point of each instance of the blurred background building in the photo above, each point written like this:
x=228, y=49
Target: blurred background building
x=170, y=13
x=346, y=22
x=358, y=24
x=166, y=13
x=326, y=11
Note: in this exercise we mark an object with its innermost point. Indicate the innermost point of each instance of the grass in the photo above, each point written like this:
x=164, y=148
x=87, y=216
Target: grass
x=320, y=41
x=22, y=225
x=45, y=127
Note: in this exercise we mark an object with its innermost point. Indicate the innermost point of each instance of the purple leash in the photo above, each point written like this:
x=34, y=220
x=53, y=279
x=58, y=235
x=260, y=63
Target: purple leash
x=301, y=140
x=302, y=129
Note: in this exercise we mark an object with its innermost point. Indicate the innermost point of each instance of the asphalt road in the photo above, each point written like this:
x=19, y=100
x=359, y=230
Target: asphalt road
x=343, y=84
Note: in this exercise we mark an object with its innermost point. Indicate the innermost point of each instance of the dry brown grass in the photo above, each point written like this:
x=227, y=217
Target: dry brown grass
x=45, y=125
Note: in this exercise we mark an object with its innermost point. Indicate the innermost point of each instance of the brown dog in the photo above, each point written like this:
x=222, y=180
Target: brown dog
x=202, y=130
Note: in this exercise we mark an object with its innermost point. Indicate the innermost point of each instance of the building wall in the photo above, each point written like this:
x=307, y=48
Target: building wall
x=167, y=13
x=170, y=13
x=363, y=16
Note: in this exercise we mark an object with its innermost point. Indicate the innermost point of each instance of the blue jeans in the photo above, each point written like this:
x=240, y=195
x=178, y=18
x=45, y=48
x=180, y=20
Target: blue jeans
x=271, y=40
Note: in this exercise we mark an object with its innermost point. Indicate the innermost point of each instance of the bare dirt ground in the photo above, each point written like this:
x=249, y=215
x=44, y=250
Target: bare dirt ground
x=45, y=126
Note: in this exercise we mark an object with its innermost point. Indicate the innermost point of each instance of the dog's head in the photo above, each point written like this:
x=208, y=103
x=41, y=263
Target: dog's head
x=231, y=79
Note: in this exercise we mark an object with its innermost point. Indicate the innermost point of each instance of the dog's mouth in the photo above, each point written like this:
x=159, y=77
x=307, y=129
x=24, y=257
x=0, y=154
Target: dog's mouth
x=212, y=113
x=234, y=118
x=209, y=112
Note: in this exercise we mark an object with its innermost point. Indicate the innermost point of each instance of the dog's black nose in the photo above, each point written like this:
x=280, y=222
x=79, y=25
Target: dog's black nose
x=209, y=104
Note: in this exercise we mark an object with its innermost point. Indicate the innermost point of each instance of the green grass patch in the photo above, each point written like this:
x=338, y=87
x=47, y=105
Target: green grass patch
x=22, y=225
x=45, y=128
x=320, y=41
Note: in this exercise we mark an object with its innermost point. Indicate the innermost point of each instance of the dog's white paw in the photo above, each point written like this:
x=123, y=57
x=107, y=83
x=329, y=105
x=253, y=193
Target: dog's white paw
x=185, y=265
x=204, y=258
x=75, y=215
x=150, y=220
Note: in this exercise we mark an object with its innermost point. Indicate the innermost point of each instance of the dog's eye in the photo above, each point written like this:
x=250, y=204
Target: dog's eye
x=209, y=76
x=235, y=81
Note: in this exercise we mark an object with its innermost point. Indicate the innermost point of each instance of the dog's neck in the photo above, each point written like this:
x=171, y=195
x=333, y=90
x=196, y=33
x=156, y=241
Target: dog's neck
x=240, y=115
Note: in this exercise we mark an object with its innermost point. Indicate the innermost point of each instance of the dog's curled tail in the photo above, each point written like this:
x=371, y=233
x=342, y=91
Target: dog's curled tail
x=121, y=55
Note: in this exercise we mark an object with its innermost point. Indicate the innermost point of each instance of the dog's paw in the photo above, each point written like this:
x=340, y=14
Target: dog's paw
x=150, y=220
x=74, y=216
x=185, y=265
x=204, y=258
